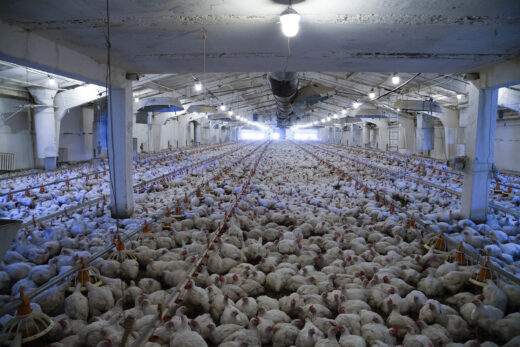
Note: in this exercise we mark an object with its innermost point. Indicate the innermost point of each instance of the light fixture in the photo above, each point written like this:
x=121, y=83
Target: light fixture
x=398, y=109
x=222, y=107
x=52, y=80
x=315, y=123
x=136, y=99
x=290, y=20
x=372, y=94
x=396, y=79
x=335, y=116
x=328, y=119
x=459, y=96
x=356, y=104
x=343, y=112
x=198, y=86
x=230, y=113
x=323, y=120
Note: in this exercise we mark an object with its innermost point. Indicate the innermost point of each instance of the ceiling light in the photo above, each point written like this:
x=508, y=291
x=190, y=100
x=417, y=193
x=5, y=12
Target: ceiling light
x=372, y=94
x=396, y=79
x=344, y=112
x=328, y=119
x=290, y=20
x=459, y=96
x=230, y=113
x=198, y=86
x=222, y=107
x=315, y=123
x=136, y=99
x=335, y=116
x=398, y=109
x=52, y=81
x=323, y=120
x=356, y=104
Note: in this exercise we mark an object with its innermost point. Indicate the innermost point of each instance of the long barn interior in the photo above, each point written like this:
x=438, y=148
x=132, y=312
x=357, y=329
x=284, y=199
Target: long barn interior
x=260, y=173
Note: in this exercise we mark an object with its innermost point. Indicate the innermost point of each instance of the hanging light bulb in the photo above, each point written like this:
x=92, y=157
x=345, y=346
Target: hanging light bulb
x=315, y=123
x=335, y=116
x=222, y=107
x=396, y=79
x=459, y=96
x=372, y=94
x=136, y=99
x=290, y=20
x=343, y=112
x=323, y=120
x=230, y=113
x=52, y=81
x=198, y=86
x=398, y=109
x=356, y=104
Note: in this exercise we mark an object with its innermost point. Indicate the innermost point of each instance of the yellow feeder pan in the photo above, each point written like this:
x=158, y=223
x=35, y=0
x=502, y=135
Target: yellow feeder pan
x=505, y=194
x=121, y=254
x=29, y=324
x=84, y=275
x=497, y=189
x=460, y=256
x=483, y=275
x=439, y=245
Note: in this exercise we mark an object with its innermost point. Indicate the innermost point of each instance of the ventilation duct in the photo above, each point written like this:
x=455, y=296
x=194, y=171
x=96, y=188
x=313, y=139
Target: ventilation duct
x=160, y=104
x=509, y=98
x=284, y=86
x=428, y=106
x=201, y=109
x=309, y=95
x=223, y=116
x=367, y=113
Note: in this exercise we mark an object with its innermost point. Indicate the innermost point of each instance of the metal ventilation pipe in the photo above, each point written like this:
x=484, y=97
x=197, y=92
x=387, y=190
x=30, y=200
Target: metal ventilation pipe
x=284, y=86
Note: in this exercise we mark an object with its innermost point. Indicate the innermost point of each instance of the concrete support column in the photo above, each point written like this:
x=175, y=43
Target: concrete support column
x=120, y=151
x=382, y=135
x=45, y=126
x=150, y=132
x=424, y=132
x=480, y=143
x=366, y=135
x=450, y=121
x=99, y=129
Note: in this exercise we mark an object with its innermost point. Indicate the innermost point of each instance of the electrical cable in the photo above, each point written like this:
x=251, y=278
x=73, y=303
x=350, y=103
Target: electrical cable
x=108, y=88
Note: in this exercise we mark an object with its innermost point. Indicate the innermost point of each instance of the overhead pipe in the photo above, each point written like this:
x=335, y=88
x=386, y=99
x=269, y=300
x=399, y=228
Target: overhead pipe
x=284, y=86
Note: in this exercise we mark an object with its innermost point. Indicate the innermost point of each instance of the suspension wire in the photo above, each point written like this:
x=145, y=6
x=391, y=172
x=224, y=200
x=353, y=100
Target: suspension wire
x=288, y=54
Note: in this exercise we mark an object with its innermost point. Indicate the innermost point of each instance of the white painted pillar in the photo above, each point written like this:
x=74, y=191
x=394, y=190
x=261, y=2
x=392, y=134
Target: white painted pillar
x=450, y=121
x=45, y=126
x=480, y=142
x=100, y=128
x=120, y=151
x=150, y=132
x=366, y=135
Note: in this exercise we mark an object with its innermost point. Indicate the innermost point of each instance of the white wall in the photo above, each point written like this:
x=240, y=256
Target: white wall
x=76, y=134
x=507, y=145
x=15, y=134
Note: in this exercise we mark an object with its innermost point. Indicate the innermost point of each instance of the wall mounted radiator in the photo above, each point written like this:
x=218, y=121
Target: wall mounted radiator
x=6, y=161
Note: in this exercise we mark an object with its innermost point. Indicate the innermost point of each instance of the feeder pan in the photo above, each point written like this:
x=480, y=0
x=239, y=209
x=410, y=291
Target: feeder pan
x=121, y=254
x=460, y=256
x=439, y=245
x=483, y=275
x=85, y=274
x=29, y=324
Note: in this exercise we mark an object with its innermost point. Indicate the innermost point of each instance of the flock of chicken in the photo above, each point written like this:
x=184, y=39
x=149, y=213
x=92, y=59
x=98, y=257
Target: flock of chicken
x=307, y=259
